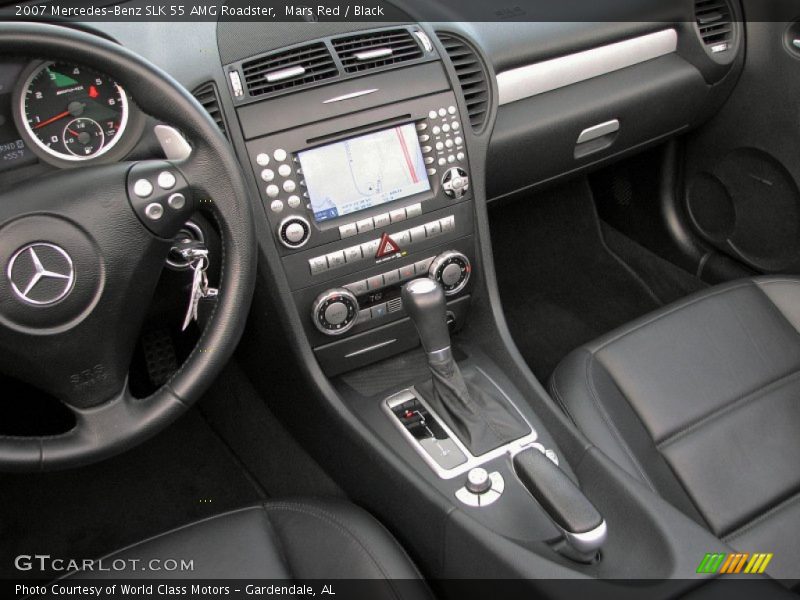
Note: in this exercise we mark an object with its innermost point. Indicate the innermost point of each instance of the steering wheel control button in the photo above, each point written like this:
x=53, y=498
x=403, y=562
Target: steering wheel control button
x=276, y=206
x=273, y=191
x=176, y=201
x=294, y=232
x=293, y=201
x=267, y=175
x=335, y=311
x=262, y=159
x=142, y=188
x=279, y=155
x=154, y=211
x=284, y=170
x=289, y=186
x=165, y=207
x=166, y=180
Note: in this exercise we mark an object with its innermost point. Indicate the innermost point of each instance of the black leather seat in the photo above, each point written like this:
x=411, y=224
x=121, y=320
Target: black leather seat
x=286, y=540
x=701, y=402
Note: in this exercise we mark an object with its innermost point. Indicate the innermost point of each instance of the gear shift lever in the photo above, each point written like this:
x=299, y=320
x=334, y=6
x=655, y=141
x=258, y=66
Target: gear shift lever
x=481, y=418
x=425, y=303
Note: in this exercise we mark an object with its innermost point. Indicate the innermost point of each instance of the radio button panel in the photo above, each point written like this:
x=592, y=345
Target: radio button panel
x=368, y=250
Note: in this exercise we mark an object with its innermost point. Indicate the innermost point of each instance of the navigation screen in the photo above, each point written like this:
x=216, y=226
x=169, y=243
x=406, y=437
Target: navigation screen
x=356, y=174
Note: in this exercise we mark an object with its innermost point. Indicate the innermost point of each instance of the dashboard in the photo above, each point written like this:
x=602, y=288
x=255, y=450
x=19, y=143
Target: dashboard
x=360, y=140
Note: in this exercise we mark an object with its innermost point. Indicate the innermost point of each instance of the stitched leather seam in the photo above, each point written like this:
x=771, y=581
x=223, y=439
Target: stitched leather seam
x=736, y=533
x=758, y=394
x=325, y=516
x=609, y=423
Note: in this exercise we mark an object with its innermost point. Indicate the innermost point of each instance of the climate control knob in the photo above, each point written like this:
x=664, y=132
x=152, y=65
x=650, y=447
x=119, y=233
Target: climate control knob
x=293, y=232
x=335, y=311
x=452, y=269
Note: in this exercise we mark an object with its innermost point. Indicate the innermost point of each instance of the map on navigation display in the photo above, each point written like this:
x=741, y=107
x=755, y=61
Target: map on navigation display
x=359, y=173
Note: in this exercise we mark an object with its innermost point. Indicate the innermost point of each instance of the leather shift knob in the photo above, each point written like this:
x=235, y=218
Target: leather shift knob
x=424, y=302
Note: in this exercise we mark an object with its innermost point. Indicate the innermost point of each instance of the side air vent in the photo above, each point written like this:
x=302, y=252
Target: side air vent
x=715, y=23
x=206, y=94
x=376, y=49
x=288, y=69
x=471, y=76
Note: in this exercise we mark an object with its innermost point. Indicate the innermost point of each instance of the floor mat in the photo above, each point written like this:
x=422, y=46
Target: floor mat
x=184, y=473
x=560, y=284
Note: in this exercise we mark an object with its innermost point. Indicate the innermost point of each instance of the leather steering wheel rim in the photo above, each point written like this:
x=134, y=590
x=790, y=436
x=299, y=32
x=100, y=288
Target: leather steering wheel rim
x=120, y=422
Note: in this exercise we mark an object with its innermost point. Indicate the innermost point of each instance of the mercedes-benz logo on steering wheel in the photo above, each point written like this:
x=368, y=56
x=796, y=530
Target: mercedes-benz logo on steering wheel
x=41, y=273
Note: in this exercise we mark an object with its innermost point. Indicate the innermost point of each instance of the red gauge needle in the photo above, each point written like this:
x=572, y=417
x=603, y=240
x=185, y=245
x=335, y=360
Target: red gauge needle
x=66, y=113
x=75, y=133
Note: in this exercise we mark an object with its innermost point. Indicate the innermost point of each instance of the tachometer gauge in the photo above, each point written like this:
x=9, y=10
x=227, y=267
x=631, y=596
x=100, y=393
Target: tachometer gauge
x=72, y=113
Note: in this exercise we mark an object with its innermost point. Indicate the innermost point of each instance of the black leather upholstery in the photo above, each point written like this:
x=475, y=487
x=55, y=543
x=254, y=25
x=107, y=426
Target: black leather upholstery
x=701, y=402
x=281, y=540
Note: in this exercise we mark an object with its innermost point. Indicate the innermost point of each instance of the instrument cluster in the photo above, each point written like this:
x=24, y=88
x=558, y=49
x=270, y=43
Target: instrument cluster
x=63, y=114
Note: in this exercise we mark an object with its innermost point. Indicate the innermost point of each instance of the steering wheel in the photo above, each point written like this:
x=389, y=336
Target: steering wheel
x=108, y=253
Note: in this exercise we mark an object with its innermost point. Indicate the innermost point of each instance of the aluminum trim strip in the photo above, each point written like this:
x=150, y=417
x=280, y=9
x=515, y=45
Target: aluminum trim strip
x=538, y=78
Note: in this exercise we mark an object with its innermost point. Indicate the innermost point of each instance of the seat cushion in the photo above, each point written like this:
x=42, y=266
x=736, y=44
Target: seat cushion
x=701, y=402
x=305, y=540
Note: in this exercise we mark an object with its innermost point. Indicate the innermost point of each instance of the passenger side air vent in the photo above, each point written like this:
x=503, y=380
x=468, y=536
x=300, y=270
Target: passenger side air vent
x=206, y=94
x=376, y=49
x=472, y=77
x=288, y=69
x=715, y=24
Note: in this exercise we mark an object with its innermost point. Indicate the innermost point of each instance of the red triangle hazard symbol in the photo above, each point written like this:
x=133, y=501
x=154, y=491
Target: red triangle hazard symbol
x=387, y=246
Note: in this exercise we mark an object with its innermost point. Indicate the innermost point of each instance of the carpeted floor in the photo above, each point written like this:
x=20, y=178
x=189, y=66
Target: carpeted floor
x=193, y=469
x=562, y=284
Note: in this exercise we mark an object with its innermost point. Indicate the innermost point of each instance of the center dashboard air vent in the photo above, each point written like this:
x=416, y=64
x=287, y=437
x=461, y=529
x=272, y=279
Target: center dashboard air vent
x=376, y=49
x=715, y=24
x=471, y=76
x=288, y=69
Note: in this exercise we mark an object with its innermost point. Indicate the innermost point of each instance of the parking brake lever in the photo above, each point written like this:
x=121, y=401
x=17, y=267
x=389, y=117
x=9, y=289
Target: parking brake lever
x=583, y=526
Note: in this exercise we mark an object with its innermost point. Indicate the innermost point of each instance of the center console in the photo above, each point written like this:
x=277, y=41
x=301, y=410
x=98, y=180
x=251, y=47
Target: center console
x=376, y=194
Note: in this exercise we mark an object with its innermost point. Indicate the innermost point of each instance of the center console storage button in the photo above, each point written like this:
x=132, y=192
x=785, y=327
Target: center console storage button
x=381, y=220
x=352, y=254
x=397, y=215
x=414, y=210
x=365, y=225
x=418, y=234
x=348, y=230
x=391, y=277
x=336, y=259
x=318, y=265
x=359, y=288
x=376, y=282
